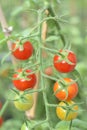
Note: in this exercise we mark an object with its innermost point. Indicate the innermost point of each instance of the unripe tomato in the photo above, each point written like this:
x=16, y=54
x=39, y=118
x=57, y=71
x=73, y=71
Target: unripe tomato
x=22, y=52
x=25, y=81
x=67, y=114
x=24, y=102
x=48, y=71
x=65, y=63
x=68, y=92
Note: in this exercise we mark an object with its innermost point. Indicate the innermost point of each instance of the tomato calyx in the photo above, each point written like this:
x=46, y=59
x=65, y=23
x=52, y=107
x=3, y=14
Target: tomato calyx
x=21, y=97
x=68, y=107
x=18, y=45
x=22, y=74
x=63, y=57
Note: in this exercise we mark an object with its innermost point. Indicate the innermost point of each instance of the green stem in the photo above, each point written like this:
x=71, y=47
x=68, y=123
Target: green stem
x=39, y=123
x=33, y=91
x=41, y=76
x=49, y=77
x=4, y=108
x=57, y=24
x=45, y=19
x=70, y=126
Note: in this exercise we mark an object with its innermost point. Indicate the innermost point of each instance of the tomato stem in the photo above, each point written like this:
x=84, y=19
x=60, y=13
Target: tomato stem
x=4, y=108
x=57, y=24
x=70, y=126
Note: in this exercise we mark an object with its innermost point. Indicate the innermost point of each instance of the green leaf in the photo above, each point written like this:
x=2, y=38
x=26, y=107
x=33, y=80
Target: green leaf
x=79, y=123
x=62, y=124
x=52, y=38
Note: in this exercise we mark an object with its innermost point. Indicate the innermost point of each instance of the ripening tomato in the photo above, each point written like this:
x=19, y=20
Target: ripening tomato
x=68, y=92
x=22, y=52
x=24, y=80
x=1, y=121
x=24, y=102
x=65, y=62
x=67, y=113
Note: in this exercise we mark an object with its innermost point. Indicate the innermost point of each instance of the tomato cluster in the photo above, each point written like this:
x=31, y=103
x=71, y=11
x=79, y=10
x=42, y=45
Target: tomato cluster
x=23, y=79
x=65, y=89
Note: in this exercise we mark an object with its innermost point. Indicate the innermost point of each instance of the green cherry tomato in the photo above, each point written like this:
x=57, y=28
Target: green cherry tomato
x=24, y=102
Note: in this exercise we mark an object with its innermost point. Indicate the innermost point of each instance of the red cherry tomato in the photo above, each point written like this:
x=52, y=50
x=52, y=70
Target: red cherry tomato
x=72, y=90
x=1, y=121
x=22, y=53
x=0, y=105
x=61, y=64
x=24, y=80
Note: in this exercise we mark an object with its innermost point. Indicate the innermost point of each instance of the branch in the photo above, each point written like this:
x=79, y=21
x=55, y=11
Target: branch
x=7, y=31
x=57, y=24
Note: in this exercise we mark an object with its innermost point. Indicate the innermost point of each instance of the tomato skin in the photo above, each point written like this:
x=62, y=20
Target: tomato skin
x=0, y=105
x=1, y=121
x=23, y=84
x=63, y=66
x=72, y=90
x=25, y=53
x=24, y=104
x=61, y=112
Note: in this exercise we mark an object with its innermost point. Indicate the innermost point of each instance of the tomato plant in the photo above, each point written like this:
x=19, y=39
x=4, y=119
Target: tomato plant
x=67, y=91
x=65, y=61
x=50, y=64
x=23, y=80
x=22, y=51
x=23, y=101
x=67, y=110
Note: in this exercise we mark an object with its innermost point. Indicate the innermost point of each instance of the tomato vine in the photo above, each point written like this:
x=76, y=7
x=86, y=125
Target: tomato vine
x=24, y=78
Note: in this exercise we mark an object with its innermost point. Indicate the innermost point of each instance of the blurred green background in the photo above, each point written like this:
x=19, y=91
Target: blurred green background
x=18, y=15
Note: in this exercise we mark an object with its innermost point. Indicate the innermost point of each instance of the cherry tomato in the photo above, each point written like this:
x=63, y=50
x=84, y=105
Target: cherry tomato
x=67, y=114
x=24, y=80
x=68, y=92
x=49, y=71
x=22, y=52
x=24, y=102
x=1, y=121
x=0, y=105
x=66, y=62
